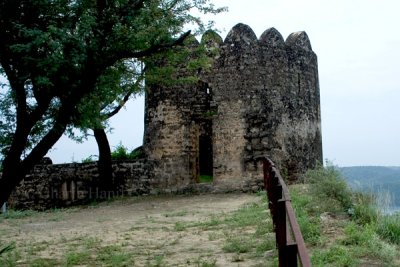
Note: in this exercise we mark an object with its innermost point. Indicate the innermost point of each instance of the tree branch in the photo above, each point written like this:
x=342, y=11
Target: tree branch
x=125, y=99
x=45, y=144
x=152, y=50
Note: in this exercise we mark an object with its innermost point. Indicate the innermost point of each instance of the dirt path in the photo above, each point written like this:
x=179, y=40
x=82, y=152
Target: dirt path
x=144, y=231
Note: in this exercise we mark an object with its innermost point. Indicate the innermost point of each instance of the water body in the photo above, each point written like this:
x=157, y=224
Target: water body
x=383, y=181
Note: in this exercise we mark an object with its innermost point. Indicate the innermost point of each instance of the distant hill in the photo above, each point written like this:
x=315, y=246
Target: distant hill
x=376, y=178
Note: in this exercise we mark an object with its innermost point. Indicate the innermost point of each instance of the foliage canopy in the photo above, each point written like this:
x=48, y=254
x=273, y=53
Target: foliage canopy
x=67, y=60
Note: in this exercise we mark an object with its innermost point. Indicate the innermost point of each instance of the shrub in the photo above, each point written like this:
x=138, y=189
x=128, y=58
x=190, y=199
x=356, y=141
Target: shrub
x=89, y=159
x=122, y=153
x=364, y=210
x=327, y=185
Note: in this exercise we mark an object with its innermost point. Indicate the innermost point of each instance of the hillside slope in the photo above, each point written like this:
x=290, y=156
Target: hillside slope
x=375, y=178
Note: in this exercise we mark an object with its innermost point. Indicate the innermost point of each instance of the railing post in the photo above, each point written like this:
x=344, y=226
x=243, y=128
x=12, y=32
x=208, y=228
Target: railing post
x=291, y=252
x=266, y=174
x=276, y=194
x=291, y=255
x=281, y=232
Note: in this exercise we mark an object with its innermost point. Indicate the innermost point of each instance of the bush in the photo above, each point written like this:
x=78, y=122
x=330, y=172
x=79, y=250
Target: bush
x=89, y=159
x=364, y=210
x=328, y=186
x=122, y=153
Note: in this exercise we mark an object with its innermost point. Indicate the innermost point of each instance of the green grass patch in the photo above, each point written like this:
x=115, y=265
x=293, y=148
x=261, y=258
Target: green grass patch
x=353, y=231
x=334, y=256
x=206, y=263
x=73, y=258
x=44, y=262
x=180, y=226
x=388, y=227
x=238, y=245
x=18, y=214
x=205, y=179
x=114, y=256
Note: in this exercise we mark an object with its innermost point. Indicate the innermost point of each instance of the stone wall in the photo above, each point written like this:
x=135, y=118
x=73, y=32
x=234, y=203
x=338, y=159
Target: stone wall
x=60, y=185
x=260, y=98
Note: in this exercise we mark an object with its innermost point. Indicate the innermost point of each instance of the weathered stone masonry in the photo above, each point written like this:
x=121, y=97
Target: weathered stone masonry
x=260, y=98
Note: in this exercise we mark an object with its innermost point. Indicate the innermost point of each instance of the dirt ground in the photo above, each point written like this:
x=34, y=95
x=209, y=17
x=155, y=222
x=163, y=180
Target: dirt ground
x=152, y=230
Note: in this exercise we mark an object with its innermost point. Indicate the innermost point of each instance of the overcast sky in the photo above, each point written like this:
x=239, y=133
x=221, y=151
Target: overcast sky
x=358, y=49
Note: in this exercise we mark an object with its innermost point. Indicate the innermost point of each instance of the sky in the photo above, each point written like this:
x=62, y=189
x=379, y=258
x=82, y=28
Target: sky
x=358, y=49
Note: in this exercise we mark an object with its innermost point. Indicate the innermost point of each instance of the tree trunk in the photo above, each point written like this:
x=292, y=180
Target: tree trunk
x=9, y=180
x=105, y=182
x=15, y=169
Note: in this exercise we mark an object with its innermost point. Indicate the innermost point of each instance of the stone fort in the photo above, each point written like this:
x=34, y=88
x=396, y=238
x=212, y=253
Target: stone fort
x=260, y=98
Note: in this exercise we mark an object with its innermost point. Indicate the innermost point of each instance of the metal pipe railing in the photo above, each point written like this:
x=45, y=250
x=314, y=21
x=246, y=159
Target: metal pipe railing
x=290, y=242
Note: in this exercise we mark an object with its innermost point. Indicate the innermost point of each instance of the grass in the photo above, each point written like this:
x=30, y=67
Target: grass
x=238, y=236
x=342, y=227
x=7, y=248
x=18, y=214
x=205, y=178
x=388, y=227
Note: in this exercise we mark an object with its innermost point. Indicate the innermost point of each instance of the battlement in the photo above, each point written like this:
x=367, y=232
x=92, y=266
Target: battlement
x=261, y=97
x=242, y=35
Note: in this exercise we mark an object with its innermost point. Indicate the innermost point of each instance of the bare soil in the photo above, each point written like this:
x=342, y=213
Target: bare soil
x=153, y=230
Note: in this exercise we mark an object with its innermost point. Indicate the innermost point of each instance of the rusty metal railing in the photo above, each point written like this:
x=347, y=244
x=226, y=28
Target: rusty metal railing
x=290, y=242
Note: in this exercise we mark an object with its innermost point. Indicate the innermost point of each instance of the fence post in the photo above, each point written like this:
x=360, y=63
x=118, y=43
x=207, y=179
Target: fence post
x=281, y=232
x=292, y=255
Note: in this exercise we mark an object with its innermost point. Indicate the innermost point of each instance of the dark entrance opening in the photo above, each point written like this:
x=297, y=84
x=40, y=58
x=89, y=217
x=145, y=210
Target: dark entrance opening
x=205, y=158
x=205, y=110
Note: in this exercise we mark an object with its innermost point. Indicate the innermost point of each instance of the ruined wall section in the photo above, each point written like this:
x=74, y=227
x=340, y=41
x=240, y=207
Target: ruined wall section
x=61, y=185
x=175, y=116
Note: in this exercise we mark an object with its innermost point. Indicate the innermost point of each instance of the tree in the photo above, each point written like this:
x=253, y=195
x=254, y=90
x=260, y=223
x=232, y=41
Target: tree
x=118, y=84
x=54, y=54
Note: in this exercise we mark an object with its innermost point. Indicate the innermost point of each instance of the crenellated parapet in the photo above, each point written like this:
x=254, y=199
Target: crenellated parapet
x=260, y=97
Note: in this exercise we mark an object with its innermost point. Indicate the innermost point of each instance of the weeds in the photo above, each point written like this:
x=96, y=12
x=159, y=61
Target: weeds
x=206, y=263
x=363, y=235
x=18, y=214
x=74, y=258
x=179, y=226
x=334, y=256
x=114, y=256
x=7, y=248
x=327, y=184
x=388, y=227
x=237, y=245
